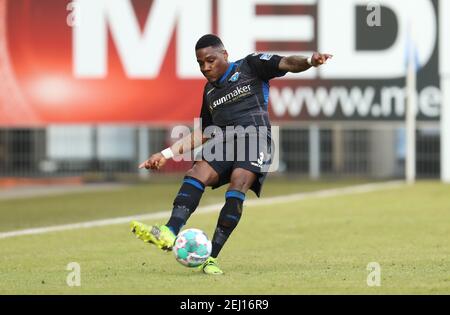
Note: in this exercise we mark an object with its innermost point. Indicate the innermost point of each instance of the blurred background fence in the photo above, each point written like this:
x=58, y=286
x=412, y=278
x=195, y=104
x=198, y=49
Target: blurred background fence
x=369, y=150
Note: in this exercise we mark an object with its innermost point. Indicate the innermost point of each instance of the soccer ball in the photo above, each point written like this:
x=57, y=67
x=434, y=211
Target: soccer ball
x=192, y=247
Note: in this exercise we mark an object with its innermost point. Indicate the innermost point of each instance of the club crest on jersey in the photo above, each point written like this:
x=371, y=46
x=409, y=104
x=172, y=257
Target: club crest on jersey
x=235, y=77
x=266, y=56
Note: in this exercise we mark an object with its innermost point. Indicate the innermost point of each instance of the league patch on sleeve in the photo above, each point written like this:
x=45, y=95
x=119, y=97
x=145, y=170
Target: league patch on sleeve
x=266, y=56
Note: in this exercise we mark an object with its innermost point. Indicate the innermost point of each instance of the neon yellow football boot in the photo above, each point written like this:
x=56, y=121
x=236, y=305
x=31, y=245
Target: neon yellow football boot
x=159, y=235
x=211, y=267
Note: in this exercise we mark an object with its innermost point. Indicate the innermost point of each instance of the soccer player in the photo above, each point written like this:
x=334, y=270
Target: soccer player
x=236, y=94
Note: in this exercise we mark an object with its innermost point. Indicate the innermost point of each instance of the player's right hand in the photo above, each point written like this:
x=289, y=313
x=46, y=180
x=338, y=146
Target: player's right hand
x=155, y=162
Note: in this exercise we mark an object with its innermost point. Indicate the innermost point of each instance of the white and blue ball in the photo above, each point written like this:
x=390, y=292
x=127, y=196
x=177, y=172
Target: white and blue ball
x=192, y=247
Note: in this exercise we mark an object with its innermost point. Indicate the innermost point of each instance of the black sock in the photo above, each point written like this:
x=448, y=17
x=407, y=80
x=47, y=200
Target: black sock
x=228, y=220
x=185, y=203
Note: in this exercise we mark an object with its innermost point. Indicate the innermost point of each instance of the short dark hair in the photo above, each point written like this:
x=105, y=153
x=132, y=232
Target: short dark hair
x=207, y=41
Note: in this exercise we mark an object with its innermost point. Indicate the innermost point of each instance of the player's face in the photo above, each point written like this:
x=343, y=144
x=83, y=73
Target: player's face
x=213, y=62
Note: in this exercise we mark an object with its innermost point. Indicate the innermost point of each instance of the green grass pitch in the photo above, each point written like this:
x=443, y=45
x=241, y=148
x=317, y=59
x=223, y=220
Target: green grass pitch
x=314, y=246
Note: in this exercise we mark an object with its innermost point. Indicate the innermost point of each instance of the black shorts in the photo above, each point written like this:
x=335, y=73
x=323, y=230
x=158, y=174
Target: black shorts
x=249, y=151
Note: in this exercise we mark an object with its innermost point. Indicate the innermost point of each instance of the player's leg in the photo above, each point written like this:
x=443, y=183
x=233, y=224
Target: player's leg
x=197, y=178
x=185, y=203
x=240, y=182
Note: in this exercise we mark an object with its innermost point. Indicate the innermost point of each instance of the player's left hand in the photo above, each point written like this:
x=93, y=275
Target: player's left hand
x=319, y=59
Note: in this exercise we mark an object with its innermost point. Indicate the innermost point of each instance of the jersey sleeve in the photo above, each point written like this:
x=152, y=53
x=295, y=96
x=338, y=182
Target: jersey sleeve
x=265, y=65
x=205, y=115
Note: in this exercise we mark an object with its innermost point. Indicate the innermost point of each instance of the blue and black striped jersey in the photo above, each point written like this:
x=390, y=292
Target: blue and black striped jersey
x=241, y=96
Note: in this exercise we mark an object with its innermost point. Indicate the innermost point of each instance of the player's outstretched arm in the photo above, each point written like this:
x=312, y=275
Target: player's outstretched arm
x=300, y=63
x=186, y=144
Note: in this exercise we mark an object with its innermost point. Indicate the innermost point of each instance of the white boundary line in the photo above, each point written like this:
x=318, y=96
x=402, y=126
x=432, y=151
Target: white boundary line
x=211, y=208
x=43, y=191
